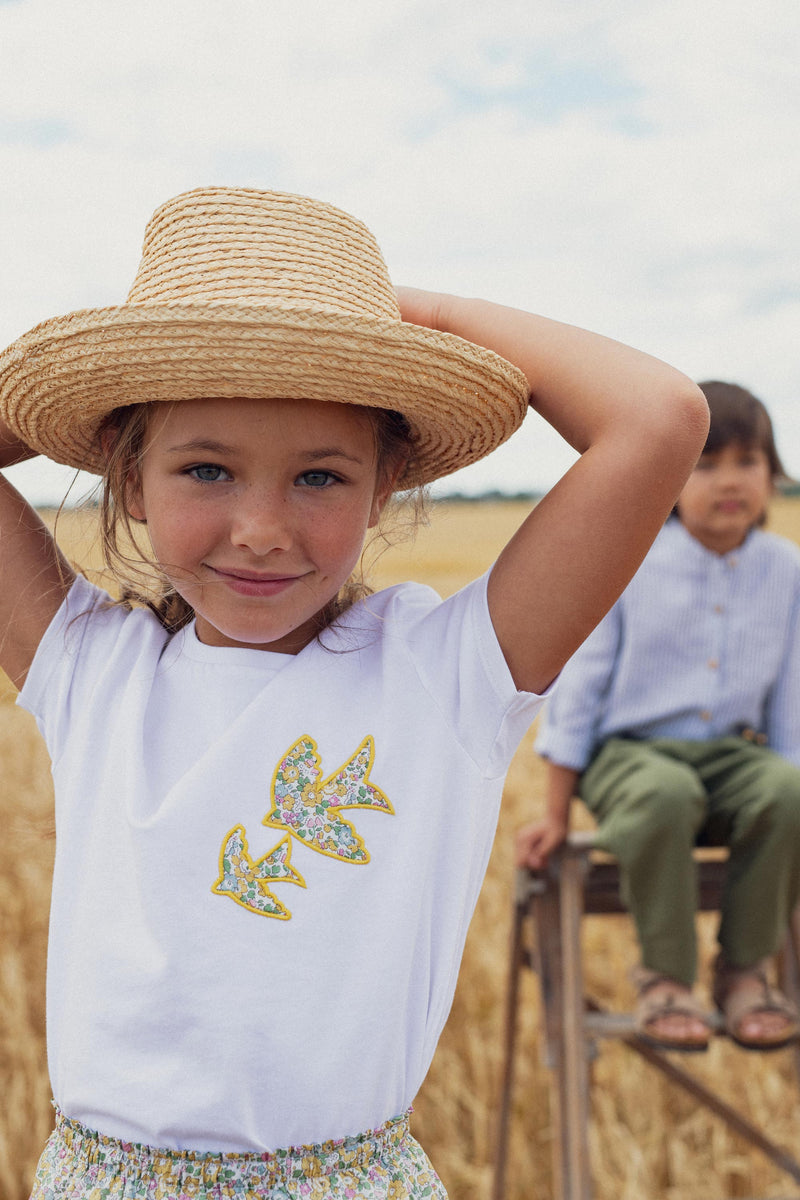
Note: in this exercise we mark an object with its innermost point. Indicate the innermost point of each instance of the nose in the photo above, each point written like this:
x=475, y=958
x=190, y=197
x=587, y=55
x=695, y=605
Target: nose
x=260, y=522
x=730, y=476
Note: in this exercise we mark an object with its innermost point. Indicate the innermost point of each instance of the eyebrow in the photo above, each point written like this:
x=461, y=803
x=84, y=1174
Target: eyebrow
x=210, y=446
x=197, y=444
x=332, y=452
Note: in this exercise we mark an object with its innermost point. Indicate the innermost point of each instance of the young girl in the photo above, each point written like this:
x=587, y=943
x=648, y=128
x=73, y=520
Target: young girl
x=678, y=721
x=275, y=802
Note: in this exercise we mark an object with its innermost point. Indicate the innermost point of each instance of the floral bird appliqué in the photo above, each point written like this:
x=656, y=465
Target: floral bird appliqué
x=306, y=807
x=247, y=881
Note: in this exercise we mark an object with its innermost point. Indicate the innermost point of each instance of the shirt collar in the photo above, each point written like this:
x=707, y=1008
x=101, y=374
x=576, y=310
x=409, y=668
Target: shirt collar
x=690, y=545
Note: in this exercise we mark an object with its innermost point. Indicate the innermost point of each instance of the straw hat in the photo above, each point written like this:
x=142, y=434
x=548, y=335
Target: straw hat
x=257, y=294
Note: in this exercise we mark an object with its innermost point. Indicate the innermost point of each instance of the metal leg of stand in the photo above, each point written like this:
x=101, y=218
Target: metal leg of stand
x=573, y=1082
x=507, y=1082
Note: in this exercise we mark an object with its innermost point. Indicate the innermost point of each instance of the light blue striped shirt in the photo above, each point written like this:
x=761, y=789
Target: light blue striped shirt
x=700, y=645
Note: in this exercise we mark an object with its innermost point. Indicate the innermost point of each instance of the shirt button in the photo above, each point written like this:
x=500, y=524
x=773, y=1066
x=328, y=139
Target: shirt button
x=719, y=608
x=713, y=663
x=733, y=561
x=705, y=715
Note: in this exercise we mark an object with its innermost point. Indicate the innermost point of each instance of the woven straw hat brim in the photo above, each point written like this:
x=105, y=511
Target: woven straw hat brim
x=61, y=379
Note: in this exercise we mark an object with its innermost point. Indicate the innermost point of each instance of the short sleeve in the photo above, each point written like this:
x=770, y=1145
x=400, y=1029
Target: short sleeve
x=46, y=693
x=89, y=646
x=460, y=664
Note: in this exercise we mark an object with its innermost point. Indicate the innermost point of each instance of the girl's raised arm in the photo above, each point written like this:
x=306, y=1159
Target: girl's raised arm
x=639, y=426
x=34, y=577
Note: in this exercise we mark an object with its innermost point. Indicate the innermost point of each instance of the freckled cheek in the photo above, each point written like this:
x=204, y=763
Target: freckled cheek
x=183, y=539
x=338, y=540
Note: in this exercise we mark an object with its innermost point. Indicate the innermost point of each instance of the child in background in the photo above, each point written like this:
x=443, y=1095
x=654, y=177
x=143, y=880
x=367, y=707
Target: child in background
x=678, y=722
x=276, y=794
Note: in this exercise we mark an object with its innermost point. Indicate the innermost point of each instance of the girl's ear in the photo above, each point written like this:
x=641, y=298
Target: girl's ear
x=134, y=500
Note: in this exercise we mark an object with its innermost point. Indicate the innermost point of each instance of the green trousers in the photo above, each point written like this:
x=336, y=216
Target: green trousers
x=655, y=800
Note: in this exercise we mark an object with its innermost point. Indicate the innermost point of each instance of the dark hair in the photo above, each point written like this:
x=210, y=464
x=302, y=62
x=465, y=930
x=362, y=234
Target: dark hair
x=139, y=577
x=739, y=416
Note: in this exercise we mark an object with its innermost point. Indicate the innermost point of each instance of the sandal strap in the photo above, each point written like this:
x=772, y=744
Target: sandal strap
x=761, y=997
x=645, y=978
x=676, y=1002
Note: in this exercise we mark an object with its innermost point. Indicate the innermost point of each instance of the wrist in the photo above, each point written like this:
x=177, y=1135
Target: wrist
x=557, y=814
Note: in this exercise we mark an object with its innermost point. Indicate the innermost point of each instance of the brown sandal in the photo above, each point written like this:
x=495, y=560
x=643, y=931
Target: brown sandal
x=676, y=1002
x=741, y=992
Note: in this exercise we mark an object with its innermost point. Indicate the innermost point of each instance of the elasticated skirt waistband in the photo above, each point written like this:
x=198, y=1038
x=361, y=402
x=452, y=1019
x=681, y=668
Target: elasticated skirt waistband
x=386, y=1163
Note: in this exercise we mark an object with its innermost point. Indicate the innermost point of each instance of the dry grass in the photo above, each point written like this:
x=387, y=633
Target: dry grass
x=648, y=1141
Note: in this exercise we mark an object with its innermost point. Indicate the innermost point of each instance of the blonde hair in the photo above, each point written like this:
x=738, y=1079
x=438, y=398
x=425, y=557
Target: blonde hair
x=139, y=576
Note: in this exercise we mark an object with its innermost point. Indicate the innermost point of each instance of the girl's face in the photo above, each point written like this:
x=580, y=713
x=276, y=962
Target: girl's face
x=257, y=511
x=726, y=495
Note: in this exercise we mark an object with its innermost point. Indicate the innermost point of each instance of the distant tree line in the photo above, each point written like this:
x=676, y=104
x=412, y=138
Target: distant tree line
x=510, y=497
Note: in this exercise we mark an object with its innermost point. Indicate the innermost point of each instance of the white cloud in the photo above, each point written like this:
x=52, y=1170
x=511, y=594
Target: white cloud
x=631, y=168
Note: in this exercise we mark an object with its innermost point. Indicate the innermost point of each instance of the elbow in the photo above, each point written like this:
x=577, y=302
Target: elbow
x=689, y=419
x=676, y=421
x=671, y=437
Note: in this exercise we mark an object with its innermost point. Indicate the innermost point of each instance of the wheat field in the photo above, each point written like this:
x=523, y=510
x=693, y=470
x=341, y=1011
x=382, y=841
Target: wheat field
x=648, y=1141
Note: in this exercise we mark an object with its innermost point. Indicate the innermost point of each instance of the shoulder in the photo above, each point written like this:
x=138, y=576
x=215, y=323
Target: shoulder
x=86, y=599
x=383, y=615
x=402, y=602
x=408, y=610
x=91, y=625
x=91, y=646
x=775, y=545
x=434, y=637
x=768, y=550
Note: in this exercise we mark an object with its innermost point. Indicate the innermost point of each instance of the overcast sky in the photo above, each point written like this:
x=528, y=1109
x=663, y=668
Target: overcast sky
x=630, y=166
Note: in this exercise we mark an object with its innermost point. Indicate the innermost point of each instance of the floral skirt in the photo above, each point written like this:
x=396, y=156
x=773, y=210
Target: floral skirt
x=384, y=1164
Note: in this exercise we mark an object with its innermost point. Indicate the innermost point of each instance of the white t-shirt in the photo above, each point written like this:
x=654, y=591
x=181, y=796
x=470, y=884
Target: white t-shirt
x=266, y=864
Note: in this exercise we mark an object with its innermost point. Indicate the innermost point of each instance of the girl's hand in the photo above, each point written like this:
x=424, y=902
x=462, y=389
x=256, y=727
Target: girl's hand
x=420, y=307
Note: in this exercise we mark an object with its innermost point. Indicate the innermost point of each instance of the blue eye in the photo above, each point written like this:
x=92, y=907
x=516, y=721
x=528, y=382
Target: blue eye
x=208, y=473
x=317, y=479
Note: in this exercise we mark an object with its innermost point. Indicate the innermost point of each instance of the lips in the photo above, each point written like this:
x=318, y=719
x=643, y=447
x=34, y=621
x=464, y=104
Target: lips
x=250, y=583
x=730, y=506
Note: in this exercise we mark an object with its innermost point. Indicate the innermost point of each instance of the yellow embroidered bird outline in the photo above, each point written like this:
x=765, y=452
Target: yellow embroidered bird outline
x=309, y=808
x=246, y=880
x=306, y=807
